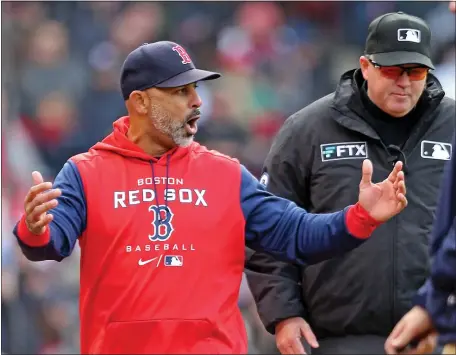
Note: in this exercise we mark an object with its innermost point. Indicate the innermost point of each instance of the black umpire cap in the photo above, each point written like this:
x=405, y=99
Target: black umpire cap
x=398, y=38
x=161, y=64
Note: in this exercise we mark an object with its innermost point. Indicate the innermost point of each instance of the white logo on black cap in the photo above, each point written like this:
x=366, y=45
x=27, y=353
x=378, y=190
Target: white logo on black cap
x=408, y=35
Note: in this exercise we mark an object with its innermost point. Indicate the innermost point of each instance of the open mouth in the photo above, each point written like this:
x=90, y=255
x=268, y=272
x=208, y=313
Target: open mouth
x=191, y=125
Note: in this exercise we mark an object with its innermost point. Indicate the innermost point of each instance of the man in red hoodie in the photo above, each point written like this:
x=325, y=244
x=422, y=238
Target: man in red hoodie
x=162, y=222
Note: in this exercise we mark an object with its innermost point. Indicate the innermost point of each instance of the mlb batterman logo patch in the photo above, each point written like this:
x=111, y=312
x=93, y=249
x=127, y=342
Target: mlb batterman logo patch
x=173, y=260
x=346, y=150
x=408, y=35
x=264, y=179
x=436, y=150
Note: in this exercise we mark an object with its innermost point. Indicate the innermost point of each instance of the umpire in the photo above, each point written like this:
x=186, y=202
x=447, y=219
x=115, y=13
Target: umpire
x=389, y=109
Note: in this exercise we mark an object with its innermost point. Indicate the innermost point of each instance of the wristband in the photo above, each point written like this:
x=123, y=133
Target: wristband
x=31, y=239
x=359, y=223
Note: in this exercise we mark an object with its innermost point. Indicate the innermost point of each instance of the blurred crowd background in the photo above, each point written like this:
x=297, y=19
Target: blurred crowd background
x=60, y=94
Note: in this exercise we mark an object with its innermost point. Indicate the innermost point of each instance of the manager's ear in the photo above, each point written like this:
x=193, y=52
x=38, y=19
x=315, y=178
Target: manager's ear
x=139, y=101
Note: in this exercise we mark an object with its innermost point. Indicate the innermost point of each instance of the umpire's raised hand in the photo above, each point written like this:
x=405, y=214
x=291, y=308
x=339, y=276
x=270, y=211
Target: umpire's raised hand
x=39, y=200
x=384, y=199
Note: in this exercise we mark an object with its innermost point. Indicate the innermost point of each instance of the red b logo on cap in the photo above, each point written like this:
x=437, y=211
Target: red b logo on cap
x=183, y=54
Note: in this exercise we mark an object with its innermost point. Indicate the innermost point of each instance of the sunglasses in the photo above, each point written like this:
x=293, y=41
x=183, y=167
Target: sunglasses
x=395, y=72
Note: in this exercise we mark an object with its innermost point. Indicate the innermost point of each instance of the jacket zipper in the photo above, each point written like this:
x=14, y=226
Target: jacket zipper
x=393, y=261
x=394, y=279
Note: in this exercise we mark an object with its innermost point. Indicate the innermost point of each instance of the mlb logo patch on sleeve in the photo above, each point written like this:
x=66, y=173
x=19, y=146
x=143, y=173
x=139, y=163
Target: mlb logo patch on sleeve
x=436, y=150
x=264, y=179
x=174, y=260
x=346, y=150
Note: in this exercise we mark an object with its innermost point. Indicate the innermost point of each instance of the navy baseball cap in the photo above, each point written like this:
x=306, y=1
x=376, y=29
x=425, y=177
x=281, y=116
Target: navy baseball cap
x=398, y=38
x=161, y=64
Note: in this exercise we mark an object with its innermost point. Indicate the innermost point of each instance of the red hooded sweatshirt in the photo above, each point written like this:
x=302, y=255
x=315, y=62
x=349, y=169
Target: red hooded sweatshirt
x=162, y=244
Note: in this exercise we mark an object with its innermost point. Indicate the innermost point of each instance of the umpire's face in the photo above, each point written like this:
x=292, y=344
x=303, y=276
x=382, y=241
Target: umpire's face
x=395, y=90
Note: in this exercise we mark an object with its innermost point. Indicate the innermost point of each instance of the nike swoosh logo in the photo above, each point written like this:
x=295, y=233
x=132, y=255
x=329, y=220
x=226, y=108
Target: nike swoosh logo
x=141, y=262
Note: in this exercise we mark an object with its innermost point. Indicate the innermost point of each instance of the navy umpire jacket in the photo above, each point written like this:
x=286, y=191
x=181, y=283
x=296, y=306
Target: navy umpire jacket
x=438, y=295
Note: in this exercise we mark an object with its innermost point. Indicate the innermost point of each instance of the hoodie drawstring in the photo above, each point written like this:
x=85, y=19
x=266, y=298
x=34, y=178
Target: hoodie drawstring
x=152, y=164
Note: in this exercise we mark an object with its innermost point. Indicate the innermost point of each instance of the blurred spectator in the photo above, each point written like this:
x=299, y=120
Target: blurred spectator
x=55, y=129
x=446, y=69
x=49, y=68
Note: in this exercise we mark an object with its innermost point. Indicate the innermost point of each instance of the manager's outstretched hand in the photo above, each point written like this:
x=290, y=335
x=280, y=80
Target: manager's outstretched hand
x=40, y=199
x=384, y=199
